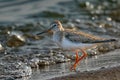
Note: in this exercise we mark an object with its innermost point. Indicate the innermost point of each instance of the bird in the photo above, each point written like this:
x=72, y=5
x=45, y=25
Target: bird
x=73, y=40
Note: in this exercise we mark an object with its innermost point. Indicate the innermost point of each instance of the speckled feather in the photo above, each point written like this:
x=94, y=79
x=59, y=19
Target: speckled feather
x=81, y=37
x=75, y=36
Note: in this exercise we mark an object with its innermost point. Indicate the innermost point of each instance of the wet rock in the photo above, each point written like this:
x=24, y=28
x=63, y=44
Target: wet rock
x=87, y=5
x=1, y=48
x=15, y=70
x=44, y=63
x=103, y=48
x=40, y=62
x=16, y=40
x=34, y=63
x=70, y=26
x=45, y=59
x=115, y=14
x=92, y=52
x=106, y=47
x=60, y=58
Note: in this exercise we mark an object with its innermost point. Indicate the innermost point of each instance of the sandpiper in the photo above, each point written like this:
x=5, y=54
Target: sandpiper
x=73, y=40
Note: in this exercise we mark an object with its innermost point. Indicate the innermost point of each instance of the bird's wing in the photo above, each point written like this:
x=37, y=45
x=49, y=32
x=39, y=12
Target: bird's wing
x=79, y=36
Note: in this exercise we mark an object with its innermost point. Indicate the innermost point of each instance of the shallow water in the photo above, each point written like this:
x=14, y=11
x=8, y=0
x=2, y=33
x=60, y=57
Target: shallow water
x=20, y=21
x=110, y=59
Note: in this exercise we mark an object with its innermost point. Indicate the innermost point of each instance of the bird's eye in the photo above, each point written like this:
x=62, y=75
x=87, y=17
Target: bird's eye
x=54, y=25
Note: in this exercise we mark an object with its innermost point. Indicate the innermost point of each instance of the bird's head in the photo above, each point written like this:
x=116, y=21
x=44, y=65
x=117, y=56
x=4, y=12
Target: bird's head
x=54, y=27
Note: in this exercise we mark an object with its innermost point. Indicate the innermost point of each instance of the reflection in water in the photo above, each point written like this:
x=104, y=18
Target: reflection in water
x=96, y=57
x=51, y=71
x=102, y=61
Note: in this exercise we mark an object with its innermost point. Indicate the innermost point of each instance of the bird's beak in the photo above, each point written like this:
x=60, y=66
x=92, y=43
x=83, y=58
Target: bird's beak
x=46, y=31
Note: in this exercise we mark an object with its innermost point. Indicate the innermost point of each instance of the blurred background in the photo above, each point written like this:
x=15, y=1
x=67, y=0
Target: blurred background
x=21, y=20
x=15, y=11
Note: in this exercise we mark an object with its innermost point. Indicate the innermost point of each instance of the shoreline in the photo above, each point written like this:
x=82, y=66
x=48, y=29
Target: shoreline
x=110, y=73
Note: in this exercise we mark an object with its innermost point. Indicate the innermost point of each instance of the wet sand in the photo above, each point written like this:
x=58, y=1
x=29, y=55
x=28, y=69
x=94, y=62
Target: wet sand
x=112, y=73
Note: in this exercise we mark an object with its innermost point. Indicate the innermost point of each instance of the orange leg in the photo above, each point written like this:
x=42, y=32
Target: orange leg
x=78, y=59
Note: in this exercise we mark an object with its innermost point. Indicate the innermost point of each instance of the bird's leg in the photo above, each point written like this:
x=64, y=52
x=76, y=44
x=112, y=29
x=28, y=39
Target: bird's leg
x=78, y=59
x=77, y=56
x=83, y=56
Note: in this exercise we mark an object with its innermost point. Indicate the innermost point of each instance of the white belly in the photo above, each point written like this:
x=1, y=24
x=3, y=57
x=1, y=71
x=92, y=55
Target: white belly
x=66, y=44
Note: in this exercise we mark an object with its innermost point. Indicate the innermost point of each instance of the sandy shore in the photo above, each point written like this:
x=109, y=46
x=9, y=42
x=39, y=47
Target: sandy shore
x=112, y=73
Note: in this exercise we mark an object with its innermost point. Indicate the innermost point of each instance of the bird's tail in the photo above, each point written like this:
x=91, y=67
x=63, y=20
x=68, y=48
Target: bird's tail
x=104, y=41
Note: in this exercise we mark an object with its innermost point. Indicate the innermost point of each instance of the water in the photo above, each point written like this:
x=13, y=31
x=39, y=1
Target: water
x=20, y=20
x=17, y=11
x=110, y=59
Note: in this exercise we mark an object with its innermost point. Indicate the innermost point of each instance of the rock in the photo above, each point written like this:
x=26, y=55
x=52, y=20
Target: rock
x=16, y=40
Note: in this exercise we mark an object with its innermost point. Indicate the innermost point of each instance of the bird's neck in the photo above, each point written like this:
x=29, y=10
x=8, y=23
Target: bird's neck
x=61, y=29
x=58, y=36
